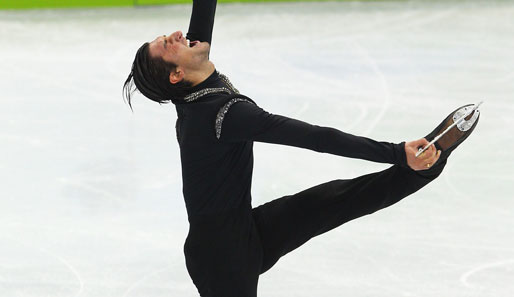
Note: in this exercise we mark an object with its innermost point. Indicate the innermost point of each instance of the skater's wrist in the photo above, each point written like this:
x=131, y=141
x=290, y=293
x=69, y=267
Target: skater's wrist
x=401, y=155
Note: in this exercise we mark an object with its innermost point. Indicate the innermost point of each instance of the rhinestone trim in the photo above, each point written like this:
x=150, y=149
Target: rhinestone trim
x=225, y=79
x=194, y=96
x=223, y=111
x=230, y=89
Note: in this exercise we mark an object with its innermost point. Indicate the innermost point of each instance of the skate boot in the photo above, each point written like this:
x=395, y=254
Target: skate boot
x=453, y=130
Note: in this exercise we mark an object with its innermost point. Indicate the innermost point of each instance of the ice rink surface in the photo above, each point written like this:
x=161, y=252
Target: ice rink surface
x=91, y=202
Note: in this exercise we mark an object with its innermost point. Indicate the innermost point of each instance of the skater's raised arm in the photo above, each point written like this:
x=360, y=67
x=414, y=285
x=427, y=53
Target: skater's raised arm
x=202, y=20
x=245, y=121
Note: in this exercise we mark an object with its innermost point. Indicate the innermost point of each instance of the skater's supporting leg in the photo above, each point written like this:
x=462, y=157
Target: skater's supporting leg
x=224, y=254
x=288, y=222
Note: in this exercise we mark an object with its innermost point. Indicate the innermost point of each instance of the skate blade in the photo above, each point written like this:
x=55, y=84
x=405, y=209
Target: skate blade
x=459, y=121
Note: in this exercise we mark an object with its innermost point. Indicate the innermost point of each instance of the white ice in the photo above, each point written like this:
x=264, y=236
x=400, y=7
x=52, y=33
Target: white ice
x=90, y=195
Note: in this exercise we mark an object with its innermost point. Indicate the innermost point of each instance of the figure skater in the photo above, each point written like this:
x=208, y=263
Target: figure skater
x=229, y=243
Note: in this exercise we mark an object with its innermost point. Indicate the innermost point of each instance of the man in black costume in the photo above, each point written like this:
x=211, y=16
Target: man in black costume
x=229, y=243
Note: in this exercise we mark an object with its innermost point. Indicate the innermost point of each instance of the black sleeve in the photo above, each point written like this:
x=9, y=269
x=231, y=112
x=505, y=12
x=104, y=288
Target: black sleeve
x=245, y=121
x=202, y=20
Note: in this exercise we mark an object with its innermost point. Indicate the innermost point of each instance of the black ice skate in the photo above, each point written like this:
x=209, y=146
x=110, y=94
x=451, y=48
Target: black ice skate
x=453, y=130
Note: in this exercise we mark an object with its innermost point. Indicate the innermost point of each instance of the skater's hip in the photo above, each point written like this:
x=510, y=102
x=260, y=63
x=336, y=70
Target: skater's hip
x=227, y=229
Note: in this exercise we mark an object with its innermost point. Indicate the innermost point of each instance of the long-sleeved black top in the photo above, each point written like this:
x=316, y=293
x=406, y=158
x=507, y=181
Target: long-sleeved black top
x=216, y=128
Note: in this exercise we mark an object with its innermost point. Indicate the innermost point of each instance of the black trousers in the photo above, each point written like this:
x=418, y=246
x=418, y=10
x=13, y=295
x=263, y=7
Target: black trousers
x=226, y=253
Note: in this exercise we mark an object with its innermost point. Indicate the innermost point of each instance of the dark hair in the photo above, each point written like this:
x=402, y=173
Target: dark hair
x=150, y=75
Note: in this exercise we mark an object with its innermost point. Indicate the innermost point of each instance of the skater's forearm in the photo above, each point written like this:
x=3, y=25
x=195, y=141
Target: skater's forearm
x=202, y=20
x=336, y=142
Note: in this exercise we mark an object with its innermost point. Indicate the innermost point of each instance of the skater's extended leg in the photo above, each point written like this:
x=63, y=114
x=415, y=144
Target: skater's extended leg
x=286, y=223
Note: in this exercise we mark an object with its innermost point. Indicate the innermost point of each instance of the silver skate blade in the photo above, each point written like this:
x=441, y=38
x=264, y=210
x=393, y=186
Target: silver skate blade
x=455, y=123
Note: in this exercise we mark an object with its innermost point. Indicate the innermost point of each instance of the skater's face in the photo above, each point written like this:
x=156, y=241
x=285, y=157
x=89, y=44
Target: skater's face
x=176, y=49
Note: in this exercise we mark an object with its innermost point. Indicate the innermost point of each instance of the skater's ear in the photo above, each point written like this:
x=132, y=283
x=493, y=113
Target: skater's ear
x=176, y=75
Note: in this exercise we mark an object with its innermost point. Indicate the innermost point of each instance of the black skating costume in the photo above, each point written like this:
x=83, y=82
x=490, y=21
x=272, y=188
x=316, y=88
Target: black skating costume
x=230, y=244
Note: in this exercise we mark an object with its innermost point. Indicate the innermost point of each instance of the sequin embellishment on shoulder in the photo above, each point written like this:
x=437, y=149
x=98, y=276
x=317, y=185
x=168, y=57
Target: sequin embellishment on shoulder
x=229, y=89
x=227, y=82
x=223, y=110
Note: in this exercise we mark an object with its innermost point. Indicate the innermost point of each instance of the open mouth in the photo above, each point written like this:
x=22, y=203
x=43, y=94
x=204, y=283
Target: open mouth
x=193, y=43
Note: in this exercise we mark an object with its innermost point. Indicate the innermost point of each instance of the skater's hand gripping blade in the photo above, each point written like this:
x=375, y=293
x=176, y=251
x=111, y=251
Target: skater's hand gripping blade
x=426, y=160
x=456, y=121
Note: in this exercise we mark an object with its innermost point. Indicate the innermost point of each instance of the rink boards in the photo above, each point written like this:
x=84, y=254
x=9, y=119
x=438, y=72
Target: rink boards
x=28, y=4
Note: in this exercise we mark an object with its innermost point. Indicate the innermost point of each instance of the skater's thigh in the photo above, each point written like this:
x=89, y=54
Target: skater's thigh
x=288, y=222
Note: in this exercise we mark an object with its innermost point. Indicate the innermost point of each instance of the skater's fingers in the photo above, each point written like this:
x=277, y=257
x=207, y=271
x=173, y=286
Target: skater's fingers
x=420, y=162
x=437, y=155
x=432, y=151
x=431, y=161
x=416, y=145
x=428, y=153
x=420, y=143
